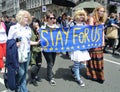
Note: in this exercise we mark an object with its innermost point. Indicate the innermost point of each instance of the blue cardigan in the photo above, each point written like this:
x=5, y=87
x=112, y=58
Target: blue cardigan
x=12, y=54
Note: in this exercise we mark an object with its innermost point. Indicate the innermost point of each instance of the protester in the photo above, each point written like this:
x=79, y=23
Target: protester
x=112, y=24
x=13, y=20
x=3, y=39
x=50, y=56
x=95, y=66
x=22, y=33
x=36, y=54
x=64, y=23
x=7, y=23
x=79, y=57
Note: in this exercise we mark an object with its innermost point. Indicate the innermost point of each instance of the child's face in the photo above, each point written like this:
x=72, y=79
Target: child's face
x=80, y=17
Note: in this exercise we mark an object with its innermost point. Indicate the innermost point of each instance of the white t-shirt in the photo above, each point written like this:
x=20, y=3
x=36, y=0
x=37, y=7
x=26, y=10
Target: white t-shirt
x=24, y=34
x=3, y=36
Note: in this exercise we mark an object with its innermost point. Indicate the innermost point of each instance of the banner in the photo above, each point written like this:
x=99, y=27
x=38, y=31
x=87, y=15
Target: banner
x=70, y=39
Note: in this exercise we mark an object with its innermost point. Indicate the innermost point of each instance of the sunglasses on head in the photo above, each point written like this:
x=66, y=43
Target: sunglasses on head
x=52, y=18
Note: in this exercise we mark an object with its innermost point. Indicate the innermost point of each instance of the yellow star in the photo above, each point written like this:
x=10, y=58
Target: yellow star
x=99, y=45
x=88, y=45
x=45, y=48
x=56, y=48
x=51, y=49
x=62, y=48
x=72, y=47
x=83, y=46
x=78, y=47
x=67, y=48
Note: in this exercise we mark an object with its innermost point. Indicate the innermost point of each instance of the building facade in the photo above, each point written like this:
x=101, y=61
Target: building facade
x=38, y=8
x=10, y=7
x=0, y=8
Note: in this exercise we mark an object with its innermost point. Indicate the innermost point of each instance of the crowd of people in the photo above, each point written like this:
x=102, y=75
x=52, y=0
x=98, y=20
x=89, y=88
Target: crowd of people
x=25, y=29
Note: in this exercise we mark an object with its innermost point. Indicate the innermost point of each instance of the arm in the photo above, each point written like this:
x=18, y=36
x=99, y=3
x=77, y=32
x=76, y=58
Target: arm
x=91, y=21
x=34, y=43
x=103, y=39
x=11, y=33
x=115, y=25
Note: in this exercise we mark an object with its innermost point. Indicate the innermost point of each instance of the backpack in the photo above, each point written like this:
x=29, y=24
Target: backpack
x=12, y=65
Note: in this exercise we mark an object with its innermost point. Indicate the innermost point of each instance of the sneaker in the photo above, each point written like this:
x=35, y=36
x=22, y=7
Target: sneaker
x=52, y=82
x=81, y=83
x=34, y=82
x=38, y=79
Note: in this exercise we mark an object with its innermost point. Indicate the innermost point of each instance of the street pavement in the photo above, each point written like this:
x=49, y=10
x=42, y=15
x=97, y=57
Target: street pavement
x=66, y=83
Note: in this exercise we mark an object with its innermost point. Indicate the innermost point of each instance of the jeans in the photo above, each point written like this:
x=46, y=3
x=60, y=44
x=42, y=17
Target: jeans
x=22, y=87
x=50, y=58
x=76, y=68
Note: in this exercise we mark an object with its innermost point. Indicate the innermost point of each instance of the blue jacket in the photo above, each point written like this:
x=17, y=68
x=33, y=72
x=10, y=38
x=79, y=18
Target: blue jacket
x=12, y=54
x=12, y=64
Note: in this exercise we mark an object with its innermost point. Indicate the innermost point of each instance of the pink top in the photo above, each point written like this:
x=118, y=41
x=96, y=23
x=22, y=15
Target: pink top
x=3, y=36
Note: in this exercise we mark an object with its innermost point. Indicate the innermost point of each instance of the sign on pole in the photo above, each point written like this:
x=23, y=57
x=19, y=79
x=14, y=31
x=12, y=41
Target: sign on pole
x=44, y=9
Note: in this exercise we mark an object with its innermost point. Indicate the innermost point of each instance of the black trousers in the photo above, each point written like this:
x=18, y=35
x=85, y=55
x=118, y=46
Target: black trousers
x=50, y=59
x=36, y=61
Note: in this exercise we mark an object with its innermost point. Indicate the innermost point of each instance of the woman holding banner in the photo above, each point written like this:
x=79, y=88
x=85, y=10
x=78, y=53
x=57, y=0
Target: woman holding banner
x=50, y=56
x=95, y=66
x=79, y=57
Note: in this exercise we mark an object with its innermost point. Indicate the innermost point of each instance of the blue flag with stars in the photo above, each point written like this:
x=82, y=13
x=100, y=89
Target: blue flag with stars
x=71, y=39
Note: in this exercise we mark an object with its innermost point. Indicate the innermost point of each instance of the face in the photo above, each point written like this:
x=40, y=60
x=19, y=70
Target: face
x=51, y=19
x=25, y=20
x=35, y=24
x=101, y=12
x=64, y=17
x=80, y=17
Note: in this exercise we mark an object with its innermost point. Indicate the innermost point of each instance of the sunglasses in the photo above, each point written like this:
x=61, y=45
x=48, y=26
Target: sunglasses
x=52, y=18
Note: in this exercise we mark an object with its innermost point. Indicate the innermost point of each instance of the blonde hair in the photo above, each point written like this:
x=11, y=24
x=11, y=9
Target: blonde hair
x=78, y=12
x=21, y=14
x=96, y=15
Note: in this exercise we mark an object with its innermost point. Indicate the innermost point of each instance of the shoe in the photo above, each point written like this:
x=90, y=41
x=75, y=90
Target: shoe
x=81, y=83
x=52, y=82
x=34, y=82
x=38, y=79
x=101, y=81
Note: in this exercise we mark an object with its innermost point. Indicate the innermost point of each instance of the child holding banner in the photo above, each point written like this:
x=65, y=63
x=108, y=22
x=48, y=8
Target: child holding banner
x=95, y=65
x=79, y=57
